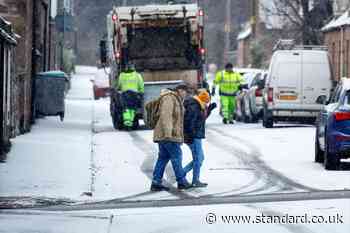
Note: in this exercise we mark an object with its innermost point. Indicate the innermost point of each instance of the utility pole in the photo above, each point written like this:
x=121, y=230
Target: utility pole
x=227, y=31
x=63, y=36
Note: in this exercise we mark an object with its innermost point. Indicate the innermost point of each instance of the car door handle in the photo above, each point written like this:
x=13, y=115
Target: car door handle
x=309, y=88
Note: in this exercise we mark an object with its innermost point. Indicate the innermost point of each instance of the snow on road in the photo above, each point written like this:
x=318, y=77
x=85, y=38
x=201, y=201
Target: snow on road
x=85, y=154
x=240, y=159
x=186, y=219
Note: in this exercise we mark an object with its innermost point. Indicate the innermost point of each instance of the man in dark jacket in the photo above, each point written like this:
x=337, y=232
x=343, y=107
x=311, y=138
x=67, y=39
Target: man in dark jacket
x=196, y=113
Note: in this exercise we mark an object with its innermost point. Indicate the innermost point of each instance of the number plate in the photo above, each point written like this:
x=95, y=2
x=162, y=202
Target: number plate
x=288, y=97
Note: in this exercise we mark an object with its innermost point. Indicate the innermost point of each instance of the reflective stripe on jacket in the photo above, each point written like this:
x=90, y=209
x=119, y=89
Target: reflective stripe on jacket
x=228, y=82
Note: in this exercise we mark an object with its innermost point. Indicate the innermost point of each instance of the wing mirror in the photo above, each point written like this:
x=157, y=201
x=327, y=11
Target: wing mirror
x=322, y=100
x=103, y=53
x=261, y=84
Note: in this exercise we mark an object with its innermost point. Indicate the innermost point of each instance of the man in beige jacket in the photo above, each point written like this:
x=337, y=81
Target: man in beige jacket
x=169, y=135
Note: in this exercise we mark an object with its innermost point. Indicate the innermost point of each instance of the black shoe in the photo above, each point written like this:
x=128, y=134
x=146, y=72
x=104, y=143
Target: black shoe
x=158, y=188
x=199, y=184
x=184, y=186
x=224, y=121
x=231, y=122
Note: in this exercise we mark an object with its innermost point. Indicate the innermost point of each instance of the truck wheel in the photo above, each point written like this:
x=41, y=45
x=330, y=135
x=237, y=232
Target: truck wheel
x=267, y=119
x=331, y=161
x=319, y=154
x=61, y=114
x=136, y=124
x=117, y=122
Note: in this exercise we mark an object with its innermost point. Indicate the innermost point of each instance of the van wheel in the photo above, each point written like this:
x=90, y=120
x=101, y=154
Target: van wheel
x=319, y=154
x=267, y=119
x=331, y=161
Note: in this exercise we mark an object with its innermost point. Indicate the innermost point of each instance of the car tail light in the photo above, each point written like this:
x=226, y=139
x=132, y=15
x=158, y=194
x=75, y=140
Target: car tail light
x=118, y=55
x=258, y=92
x=201, y=13
x=270, y=95
x=342, y=116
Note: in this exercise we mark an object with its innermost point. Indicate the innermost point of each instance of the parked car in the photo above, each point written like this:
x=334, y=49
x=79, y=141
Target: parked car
x=101, y=85
x=298, y=79
x=332, y=141
x=242, y=102
x=254, y=97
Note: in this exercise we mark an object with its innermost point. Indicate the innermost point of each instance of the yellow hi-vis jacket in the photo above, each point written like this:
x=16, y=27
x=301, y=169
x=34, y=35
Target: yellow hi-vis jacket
x=228, y=82
x=130, y=81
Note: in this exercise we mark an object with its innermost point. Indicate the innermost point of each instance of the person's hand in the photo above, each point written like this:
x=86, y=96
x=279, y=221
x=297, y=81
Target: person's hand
x=212, y=106
x=213, y=91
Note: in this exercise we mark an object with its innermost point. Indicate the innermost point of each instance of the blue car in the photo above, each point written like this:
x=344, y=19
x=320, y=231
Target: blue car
x=333, y=128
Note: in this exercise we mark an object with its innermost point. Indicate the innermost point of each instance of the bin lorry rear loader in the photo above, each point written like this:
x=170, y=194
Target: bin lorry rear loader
x=164, y=41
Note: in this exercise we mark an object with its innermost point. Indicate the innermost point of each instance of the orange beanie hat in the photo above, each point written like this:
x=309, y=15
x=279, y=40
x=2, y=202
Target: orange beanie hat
x=204, y=96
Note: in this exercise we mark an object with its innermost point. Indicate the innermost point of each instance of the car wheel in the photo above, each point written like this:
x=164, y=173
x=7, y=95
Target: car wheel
x=331, y=160
x=267, y=119
x=319, y=154
x=244, y=115
x=254, y=117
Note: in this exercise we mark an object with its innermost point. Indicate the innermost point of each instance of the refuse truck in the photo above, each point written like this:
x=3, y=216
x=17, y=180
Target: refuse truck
x=165, y=41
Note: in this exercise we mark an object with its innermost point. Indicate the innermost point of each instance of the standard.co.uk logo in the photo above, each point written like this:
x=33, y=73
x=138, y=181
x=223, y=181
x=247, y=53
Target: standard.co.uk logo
x=212, y=218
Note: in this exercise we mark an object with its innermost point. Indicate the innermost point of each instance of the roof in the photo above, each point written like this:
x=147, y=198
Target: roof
x=245, y=33
x=6, y=31
x=269, y=15
x=343, y=20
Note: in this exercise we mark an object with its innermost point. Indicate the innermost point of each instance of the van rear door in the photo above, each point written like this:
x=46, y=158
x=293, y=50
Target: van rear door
x=288, y=78
x=316, y=75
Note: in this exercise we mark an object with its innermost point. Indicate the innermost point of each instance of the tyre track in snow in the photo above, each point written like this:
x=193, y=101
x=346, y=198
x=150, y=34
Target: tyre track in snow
x=272, y=178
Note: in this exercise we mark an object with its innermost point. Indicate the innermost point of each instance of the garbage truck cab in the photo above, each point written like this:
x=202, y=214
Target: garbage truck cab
x=164, y=41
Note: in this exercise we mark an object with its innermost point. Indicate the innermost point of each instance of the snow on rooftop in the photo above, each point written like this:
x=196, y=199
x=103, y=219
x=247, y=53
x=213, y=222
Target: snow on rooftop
x=269, y=15
x=342, y=20
x=245, y=33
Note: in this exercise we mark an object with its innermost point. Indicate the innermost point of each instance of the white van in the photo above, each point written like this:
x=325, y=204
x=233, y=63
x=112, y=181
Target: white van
x=298, y=84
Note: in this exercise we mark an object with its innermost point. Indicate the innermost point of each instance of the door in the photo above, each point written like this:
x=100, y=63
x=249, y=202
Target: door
x=288, y=78
x=325, y=112
x=316, y=77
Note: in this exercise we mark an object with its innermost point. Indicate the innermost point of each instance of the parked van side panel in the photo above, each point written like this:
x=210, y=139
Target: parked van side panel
x=316, y=77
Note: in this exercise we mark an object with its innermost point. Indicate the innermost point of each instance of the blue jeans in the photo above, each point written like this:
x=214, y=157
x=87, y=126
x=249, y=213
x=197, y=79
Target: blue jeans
x=198, y=158
x=169, y=151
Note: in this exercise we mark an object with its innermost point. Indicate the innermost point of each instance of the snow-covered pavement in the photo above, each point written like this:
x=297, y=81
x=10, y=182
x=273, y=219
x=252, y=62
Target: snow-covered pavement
x=54, y=160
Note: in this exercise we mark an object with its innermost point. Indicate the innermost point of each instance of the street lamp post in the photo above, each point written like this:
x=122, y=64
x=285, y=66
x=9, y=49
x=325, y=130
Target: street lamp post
x=227, y=31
